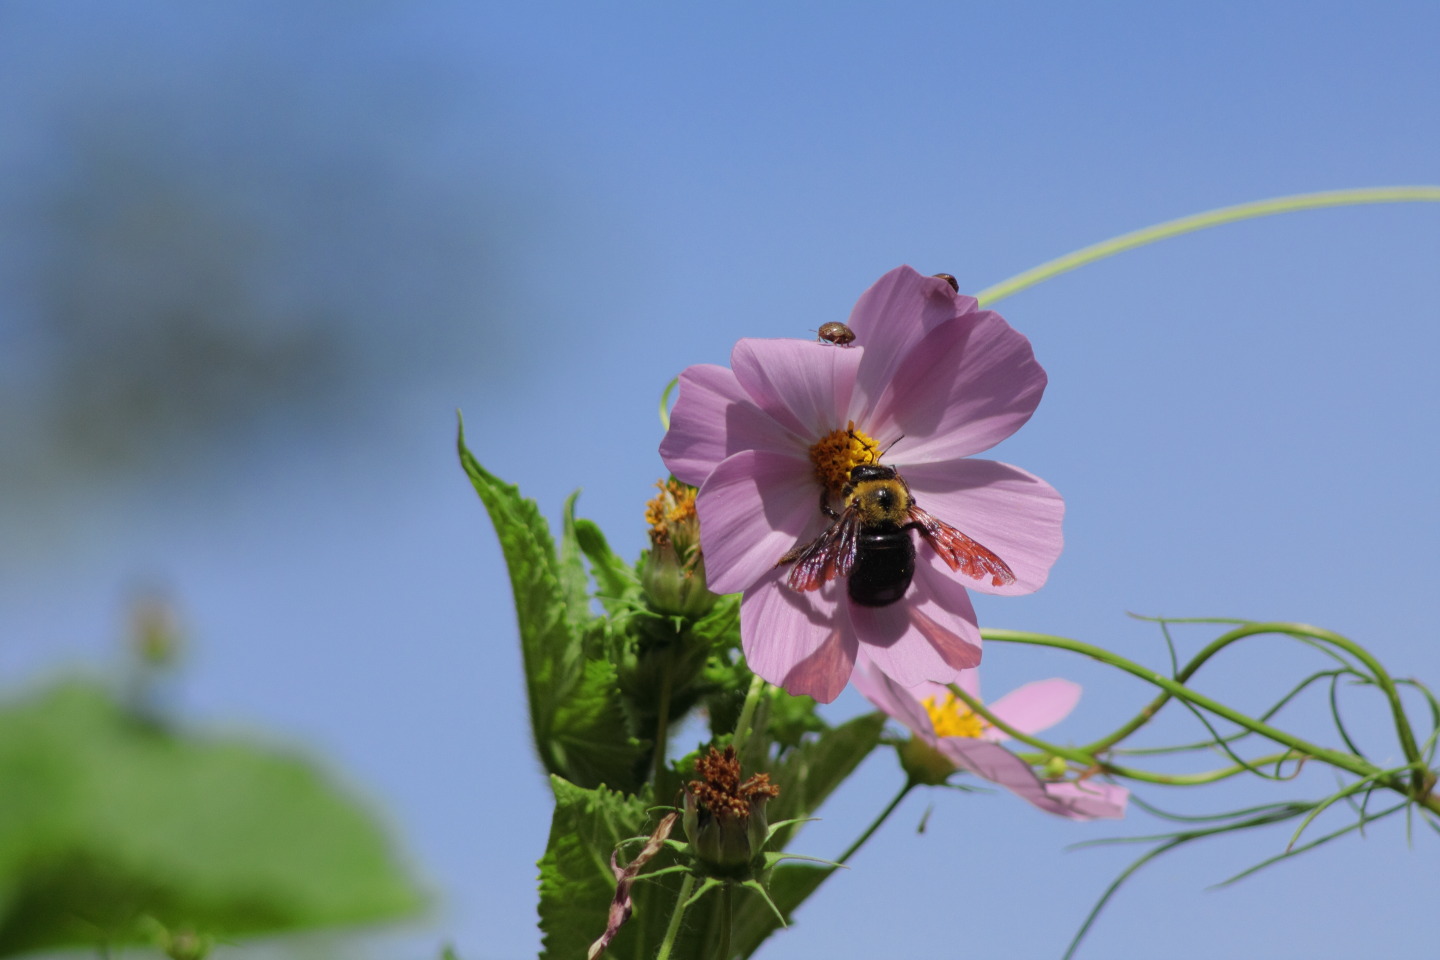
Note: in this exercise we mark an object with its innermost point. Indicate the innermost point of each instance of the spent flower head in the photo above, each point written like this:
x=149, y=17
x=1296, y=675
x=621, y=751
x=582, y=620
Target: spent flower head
x=773, y=443
x=724, y=816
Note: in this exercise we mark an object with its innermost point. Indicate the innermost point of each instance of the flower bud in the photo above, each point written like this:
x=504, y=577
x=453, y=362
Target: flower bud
x=725, y=819
x=923, y=763
x=187, y=945
x=1055, y=768
x=155, y=632
x=673, y=573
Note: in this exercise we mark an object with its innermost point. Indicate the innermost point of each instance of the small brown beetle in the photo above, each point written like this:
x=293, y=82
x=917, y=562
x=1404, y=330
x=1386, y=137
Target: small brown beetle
x=836, y=333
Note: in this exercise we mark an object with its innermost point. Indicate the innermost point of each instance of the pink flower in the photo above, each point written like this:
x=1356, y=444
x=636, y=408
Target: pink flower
x=942, y=722
x=929, y=380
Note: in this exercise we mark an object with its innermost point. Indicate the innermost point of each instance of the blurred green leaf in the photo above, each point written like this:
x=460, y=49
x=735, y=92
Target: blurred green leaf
x=576, y=717
x=106, y=819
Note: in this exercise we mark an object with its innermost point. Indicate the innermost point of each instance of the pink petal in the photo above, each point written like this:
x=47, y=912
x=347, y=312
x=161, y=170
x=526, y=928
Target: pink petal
x=803, y=384
x=929, y=635
x=753, y=508
x=992, y=762
x=1035, y=706
x=1013, y=513
x=969, y=681
x=1088, y=799
x=795, y=639
x=998, y=765
x=967, y=385
x=889, y=319
x=896, y=701
x=715, y=418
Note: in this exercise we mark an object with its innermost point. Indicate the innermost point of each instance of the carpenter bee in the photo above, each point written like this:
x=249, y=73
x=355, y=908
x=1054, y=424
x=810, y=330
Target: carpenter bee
x=869, y=542
x=837, y=333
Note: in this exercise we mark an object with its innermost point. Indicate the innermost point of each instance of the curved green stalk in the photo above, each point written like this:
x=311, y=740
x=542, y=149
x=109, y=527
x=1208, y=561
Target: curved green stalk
x=665, y=402
x=1335, y=758
x=1199, y=221
x=875, y=824
x=1304, y=631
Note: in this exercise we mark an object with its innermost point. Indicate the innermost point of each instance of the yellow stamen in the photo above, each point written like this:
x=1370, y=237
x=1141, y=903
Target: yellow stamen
x=839, y=450
x=952, y=718
x=674, y=504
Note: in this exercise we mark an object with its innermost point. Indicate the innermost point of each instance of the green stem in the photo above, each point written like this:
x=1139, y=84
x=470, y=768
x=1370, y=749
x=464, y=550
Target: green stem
x=875, y=824
x=662, y=726
x=665, y=402
x=673, y=930
x=747, y=713
x=1335, y=758
x=1344, y=761
x=1199, y=221
x=727, y=920
x=1302, y=631
x=1177, y=779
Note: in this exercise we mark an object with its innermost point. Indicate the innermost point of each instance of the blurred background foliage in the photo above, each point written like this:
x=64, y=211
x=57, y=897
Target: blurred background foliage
x=262, y=237
x=120, y=825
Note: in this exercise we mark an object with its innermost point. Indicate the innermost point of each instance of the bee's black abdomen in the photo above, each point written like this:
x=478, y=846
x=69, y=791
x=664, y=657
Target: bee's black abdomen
x=884, y=567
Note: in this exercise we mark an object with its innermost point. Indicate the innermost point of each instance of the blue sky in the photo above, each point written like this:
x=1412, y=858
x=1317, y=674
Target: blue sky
x=540, y=213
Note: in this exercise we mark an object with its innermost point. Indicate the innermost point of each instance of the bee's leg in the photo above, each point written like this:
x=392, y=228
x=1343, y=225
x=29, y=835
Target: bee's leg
x=825, y=507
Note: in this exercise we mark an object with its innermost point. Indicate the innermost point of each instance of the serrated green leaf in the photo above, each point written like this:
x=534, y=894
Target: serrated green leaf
x=550, y=650
x=576, y=717
x=614, y=578
x=720, y=627
x=591, y=739
x=576, y=883
x=105, y=820
x=574, y=585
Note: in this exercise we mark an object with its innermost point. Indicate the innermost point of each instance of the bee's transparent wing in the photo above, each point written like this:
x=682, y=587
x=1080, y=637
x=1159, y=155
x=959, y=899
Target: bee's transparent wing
x=830, y=555
x=970, y=557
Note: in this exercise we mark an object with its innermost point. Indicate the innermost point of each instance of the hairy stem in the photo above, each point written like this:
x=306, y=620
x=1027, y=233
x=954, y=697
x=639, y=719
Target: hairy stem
x=673, y=930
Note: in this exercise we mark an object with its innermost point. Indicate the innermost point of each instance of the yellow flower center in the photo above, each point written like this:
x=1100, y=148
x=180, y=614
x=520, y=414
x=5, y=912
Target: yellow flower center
x=952, y=718
x=839, y=450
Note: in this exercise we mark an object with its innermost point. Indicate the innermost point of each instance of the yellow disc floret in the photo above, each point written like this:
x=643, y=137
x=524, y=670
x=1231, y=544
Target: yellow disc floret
x=839, y=450
x=952, y=718
x=672, y=507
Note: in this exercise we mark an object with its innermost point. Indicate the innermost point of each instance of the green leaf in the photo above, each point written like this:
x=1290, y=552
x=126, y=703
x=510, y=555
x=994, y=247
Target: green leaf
x=790, y=884
x=614, y=578
x=809, y=773
x=576, y=883
x=574, y=585
x=576, y=716
x=591, y=738
x=106, y=819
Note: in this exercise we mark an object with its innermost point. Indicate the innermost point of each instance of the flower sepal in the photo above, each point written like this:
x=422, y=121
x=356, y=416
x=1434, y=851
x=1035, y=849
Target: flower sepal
x=924, y=764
